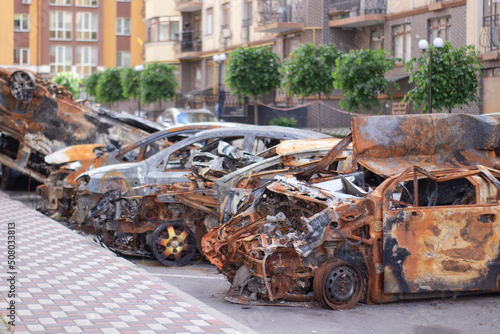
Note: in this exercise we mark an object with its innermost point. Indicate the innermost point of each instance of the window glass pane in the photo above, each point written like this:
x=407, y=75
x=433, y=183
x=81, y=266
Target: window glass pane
x=164, y=33
x=127, y=27
x=407, y=47
x=174, y=30
x=398, y=47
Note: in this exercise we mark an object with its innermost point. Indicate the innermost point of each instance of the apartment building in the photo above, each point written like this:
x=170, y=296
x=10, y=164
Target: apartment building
x=52, y=36
x=483, y=26
x=191, y=32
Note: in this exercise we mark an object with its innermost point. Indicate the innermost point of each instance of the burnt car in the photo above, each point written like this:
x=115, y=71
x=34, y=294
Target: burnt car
x=57, y=193
x=415, y=215
x=39, y=117
x=169, y=221
x=171, y=164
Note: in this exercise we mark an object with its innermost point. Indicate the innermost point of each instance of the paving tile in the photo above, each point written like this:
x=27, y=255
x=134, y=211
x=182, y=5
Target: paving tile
x=66, y=285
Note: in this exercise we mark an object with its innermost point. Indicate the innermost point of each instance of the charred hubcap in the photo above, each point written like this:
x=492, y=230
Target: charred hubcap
x=173, y=244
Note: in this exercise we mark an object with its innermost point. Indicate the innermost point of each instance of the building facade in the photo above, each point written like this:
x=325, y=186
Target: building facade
x=191, y=32
x=52, y=36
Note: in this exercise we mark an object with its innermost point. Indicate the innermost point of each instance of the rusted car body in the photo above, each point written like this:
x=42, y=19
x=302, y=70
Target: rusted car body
x=57, y=194
x=38, y=117
x=418, y=217
x=187, y=211
x=170, y=166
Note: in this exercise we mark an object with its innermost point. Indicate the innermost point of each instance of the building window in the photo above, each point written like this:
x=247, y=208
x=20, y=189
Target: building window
x=152, y=30
x=60, y=58
x=247, y=13
x=60, y=25
x=225, y=15
x=123, y=26
x=440, y=27
x=401, y=42
x=60, y=2
x=21, y=22
x=377, y=39
x=86, y=26
x=169, y=29
x=197, y=76
x=21, y=56
x=86, y=59
x=86, y=3
x=491, y=72
x=123, y=59
x=209, y=73
x=209, y=22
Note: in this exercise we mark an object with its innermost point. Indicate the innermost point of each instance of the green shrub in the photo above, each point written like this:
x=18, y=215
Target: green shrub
x=284, y=121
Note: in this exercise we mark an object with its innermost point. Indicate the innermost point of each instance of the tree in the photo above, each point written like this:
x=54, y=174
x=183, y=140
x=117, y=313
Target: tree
x=70, y=80
x=253, y=71
x=360, y=76
x=455, y=78
x=90, y=83
x=157, y=83
x=109, y=86
x=130, y=81
x=308, y=71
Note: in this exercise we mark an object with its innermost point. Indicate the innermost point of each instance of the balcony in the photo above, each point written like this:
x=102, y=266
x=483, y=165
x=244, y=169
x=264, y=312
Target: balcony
x=188, y=6
x=356, y=13
x=489, y=39
x=189, y=45
x=276, y=16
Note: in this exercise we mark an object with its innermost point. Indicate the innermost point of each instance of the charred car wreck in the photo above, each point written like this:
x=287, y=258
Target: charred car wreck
x=167, y=221
x=39, y=117
x=415, y=215
x=58, y=193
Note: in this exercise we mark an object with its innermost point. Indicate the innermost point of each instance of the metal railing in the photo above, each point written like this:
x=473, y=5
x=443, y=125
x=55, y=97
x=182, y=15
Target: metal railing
x=189, y=41
x=489, y=33
x=352, y=8
x=276, y=11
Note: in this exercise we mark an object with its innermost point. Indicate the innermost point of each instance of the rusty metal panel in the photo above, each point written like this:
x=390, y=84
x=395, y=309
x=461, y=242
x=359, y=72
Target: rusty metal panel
x=388, y=145
x=442, y=249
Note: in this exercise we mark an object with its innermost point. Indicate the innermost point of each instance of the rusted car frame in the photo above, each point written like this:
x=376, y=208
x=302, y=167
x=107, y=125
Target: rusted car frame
x=38, y=117
x=395, y=230
x=57, y=194
x=169, y=166
x=177, y=211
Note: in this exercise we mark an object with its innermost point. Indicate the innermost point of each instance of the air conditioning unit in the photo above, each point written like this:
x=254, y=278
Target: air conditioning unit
x=226, y=33
x=26, y=2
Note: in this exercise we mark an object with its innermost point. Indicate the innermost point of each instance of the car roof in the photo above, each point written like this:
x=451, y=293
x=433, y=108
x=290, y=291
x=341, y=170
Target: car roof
x=264, y=131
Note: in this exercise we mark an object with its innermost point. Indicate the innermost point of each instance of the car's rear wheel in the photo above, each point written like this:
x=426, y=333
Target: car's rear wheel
x=173, y=244
x=338, y=284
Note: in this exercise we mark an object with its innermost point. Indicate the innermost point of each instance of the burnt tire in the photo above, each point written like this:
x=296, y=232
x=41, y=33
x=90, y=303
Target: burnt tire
x=8, y=181
x=338, y=284
x=173, y=244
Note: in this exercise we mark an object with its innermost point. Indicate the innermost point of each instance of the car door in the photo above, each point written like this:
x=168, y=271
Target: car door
x=441, y=236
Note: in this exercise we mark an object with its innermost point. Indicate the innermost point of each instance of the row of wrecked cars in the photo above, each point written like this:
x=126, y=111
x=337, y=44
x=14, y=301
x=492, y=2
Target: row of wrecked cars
x=403, y=207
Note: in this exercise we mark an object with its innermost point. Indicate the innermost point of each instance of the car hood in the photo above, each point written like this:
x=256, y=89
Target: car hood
x=128, y=175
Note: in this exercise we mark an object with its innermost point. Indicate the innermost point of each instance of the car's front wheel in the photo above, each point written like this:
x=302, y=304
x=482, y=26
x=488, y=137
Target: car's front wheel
x=173, y=243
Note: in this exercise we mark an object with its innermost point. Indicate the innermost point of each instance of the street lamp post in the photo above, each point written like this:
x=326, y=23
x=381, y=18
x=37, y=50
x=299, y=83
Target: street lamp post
x=219, y=59
x=139, y=68
x=423, y=45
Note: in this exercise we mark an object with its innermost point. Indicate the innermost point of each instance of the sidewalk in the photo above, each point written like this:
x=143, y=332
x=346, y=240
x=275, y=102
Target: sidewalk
x=64, y=284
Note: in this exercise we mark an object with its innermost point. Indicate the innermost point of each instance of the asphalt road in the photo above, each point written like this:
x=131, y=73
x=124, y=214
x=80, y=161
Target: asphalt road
x=472, y=314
